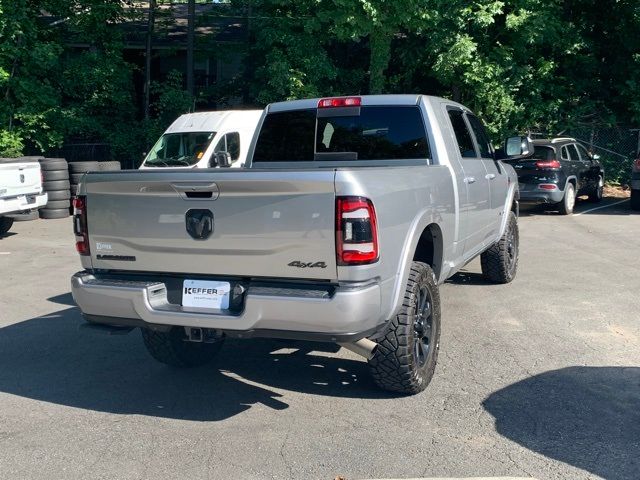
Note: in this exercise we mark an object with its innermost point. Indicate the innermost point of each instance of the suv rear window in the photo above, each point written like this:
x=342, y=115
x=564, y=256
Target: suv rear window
x=377, y=133
x=544, y=153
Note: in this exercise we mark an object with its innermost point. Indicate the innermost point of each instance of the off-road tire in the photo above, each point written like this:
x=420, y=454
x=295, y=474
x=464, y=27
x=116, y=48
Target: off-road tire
x=53, y=164
x=500, y=263
x=54, y=213
x=171, y=348
x=5, y=224
x=635, y=199
x=56, y=185
x=596, y=195
x=396, y=365
x=52, y=175
x=565, y=207
x=109, y=166
x=83, y=167
x=58, y=195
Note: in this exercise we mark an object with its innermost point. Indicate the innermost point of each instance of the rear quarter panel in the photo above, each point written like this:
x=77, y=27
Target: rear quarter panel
x=407, y=200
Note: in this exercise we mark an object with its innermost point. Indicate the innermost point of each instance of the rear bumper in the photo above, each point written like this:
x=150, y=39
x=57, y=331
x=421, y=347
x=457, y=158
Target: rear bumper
x=541, y=196
x=348, y=314
x=22, y=203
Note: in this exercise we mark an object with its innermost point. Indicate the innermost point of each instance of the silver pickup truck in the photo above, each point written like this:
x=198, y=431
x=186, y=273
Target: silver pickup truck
x=350, y=214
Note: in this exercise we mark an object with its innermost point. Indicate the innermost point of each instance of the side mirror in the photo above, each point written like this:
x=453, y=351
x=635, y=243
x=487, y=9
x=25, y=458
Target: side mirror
x=223, y=159
x=518, y=147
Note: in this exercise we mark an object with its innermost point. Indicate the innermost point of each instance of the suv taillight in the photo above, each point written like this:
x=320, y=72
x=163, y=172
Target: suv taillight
x=356, y=231
x=548, y=164
x=636, y=165
x=80, y=225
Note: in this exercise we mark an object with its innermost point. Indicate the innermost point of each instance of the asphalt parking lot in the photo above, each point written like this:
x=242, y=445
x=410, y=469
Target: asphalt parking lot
x=539, y=378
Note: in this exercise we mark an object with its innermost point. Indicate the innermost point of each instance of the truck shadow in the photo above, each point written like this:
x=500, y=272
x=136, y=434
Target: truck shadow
x=50, y=359
x=588, y=417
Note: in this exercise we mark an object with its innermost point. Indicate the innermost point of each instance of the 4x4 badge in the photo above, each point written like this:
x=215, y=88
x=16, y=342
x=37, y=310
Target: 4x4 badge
x=299, y=264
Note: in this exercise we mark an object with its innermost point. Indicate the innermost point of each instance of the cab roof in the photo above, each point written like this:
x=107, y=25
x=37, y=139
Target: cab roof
x=402, y=99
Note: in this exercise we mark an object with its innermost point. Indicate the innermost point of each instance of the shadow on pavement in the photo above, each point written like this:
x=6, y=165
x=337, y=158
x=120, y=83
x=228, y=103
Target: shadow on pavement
x=469, y=278
x=50, y=359
x=64, y=299
x=582, y=205
x=588, y=417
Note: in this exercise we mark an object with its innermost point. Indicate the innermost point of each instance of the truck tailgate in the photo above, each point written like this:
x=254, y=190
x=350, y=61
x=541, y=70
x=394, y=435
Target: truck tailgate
x=264, y=223
x=19, y=178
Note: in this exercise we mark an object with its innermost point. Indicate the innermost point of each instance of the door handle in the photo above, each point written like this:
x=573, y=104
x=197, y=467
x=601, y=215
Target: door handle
x=195, y=187
x=490, y=176
x=470, y=180
x=197, y=191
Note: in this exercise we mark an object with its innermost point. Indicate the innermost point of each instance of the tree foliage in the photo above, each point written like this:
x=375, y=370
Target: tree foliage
x=547, y=65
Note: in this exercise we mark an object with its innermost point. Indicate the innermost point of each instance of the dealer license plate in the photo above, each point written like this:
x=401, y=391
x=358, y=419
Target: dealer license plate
x=206, y=294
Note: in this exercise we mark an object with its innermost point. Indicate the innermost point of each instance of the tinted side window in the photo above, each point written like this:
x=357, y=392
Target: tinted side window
x=222, y=145
x=584, y=153
x=486, y=150
x=377, y=133
x=463, y=137
x=233, y=145
x=573, y=152
x=565, y=153
x=287, y=137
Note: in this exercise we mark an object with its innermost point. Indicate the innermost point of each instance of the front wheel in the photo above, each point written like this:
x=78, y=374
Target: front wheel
x=5, y=224
x=173, y=348
x=406, y=356
x=500, y=263
x=596, y=194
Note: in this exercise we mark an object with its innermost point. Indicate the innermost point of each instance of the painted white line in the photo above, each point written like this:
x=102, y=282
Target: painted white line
x=601, y=206
x=5, y=253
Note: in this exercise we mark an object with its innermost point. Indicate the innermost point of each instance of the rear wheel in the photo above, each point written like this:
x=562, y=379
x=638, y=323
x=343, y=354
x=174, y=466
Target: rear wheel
x=5, y=224
x=596, y=194
x=635, y=199
x=172, y=348
x=500, y=262
x=569, y=200
x=406, y=356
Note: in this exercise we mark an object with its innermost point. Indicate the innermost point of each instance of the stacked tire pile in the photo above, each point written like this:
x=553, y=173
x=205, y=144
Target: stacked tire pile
x=78, y=169
x=60, y=180
x=55, y=181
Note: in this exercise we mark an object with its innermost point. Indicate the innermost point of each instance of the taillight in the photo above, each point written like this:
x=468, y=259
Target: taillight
x=356, y=231
x=80, y=225
x=636, y=165
x=339, y=102
x=548, y=164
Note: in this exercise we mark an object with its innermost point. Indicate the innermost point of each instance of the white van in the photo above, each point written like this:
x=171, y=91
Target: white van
x=194, y=139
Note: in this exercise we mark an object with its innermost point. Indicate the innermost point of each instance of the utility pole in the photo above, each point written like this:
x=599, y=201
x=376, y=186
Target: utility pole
x=191, y=14
x=147, y=60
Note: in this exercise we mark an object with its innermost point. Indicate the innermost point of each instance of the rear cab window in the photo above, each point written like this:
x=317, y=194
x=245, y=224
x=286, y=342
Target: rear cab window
x=347, y=134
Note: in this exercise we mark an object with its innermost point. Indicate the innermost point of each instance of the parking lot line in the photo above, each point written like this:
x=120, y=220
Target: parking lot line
x=601, y=207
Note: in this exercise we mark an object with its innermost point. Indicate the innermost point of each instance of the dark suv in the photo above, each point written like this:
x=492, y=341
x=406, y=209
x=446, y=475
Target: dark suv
x=559, y=170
